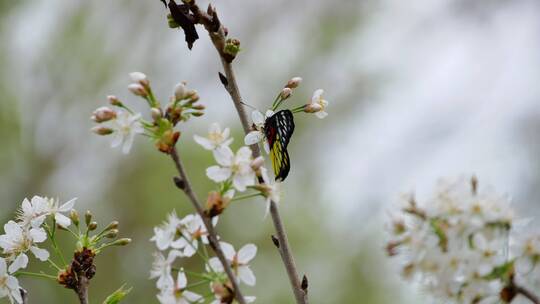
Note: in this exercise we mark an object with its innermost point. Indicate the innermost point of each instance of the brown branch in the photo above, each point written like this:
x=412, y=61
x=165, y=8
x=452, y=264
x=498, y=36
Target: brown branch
x=218, y=36
x=527, y=294
x=82, y=289
x=24, y=295
x=185, y=185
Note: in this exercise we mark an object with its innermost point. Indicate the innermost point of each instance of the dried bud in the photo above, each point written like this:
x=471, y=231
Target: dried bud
x=216, y=204
x=113, y=100
x=111, y=234
x=92, y=226
x=101, y=130
x=180, y=91
x=294, y=82
x=137, y=89
x=312, y=108
x=103, y=114
x=156, y=113
x=257, y=163
x=286, y=93
x=87, y=217
x=74, y=216
x=139, y=78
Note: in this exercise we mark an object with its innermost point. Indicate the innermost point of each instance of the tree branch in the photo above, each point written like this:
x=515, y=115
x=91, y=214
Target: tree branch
x=82, y=289
x=24, y=296
x=185, y=185
x=218, y=37
x=527, y=294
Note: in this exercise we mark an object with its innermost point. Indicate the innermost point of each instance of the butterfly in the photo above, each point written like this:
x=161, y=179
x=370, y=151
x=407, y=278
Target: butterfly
x=278, y=130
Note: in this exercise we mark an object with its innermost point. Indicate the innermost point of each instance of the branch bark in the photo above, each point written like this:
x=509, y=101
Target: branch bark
x=82, y=289
x=24, y=296
x=218, y=37
x=527, y=294
x=212, y=234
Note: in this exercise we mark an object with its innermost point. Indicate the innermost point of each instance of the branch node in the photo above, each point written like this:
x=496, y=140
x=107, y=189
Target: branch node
x=304, y=284
x=180, y=183
x=223, y=79
x=275, y=240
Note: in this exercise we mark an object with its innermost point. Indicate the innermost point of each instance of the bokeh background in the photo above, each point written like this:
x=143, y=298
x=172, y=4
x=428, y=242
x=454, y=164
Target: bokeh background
x=418, y=90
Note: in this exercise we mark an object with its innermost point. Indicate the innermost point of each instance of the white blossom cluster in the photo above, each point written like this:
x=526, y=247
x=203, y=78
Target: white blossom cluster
x=24, y=235
x=182, y=238
x=457, y=244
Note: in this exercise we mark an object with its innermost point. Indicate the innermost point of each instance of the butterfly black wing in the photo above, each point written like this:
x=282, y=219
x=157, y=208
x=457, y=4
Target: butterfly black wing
x=278, y=129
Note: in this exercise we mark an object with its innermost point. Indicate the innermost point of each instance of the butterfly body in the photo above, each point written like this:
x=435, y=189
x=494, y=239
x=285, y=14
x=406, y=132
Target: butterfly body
x=278, y=130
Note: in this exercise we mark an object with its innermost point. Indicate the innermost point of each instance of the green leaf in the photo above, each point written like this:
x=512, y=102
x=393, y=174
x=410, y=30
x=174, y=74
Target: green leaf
x=501, y=272
x=117, y=296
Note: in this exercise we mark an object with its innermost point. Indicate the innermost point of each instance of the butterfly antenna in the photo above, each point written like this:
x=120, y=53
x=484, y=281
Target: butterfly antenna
x=248, y=105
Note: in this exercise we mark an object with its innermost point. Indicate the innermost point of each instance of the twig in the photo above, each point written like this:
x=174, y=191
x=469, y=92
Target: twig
x=527, y=294
x=185, y=185
x=82, y=289
x=218, y=37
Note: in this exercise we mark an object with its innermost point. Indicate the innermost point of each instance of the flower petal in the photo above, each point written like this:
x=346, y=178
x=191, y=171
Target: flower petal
x=224, y=156
x=218, y=174
x=181, y=280
x=40, y=254
x=204, y=142
x=247, y=253
x=37, y=235
x=20, y=262
x=257, y=117
x=246, y=275
x=67, y=206
x=215, y=265
x=228, y=250
x=62, y=220
x=253, y=137
x=321, y=114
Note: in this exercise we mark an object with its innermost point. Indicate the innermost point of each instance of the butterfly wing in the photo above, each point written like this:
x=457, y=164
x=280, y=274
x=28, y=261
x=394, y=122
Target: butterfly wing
x=278, y=130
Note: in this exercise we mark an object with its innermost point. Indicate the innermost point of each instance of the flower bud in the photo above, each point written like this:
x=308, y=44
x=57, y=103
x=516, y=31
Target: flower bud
x=92, y=226
x=294, y=82
x=312, y=108
x=199, y=107
x=257, y=163
x=113, y=100
x=156, y=113
x=101, y=130
x=286, y=93
x=103, y=114
x=111, y=234
x=74, y=216
x=137, y=89
x=87, y=217
x=139, y=78
x=180, y=91
x=197, y=114
x=112, y=225
x=193, y=96
x=121, y=242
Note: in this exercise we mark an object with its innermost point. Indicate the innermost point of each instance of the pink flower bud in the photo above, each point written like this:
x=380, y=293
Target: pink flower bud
x=138, y=89
x=257, y=163
x=156, y=113
x=286, y=93
x=113, y=100
x=103, y=114
x=294, y=82
x=312, y=108
x=180, y=91
x=100, y=130
x=139, y=78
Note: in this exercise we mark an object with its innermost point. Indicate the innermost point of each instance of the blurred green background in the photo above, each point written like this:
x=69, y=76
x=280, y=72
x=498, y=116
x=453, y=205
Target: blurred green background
x=417, y=90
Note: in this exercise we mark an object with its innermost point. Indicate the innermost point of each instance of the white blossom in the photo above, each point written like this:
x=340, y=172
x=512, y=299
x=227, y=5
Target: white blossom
x=162, y=267
x=454, y=242
x=178, y=294
x=258, y=135
x=216, y=138
x=33, y=212
x=55, y=209
x=9, y=285
x=193, y=230
x=18, y=240
x=125, y=126
x=165, y=234
x=318, y=104
x=239, y=262
x=237, y=167
x=271, y=190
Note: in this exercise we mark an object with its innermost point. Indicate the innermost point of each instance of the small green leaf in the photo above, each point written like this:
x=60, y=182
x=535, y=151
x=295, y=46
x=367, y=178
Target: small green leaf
x=501, y=272
x=117, y=296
